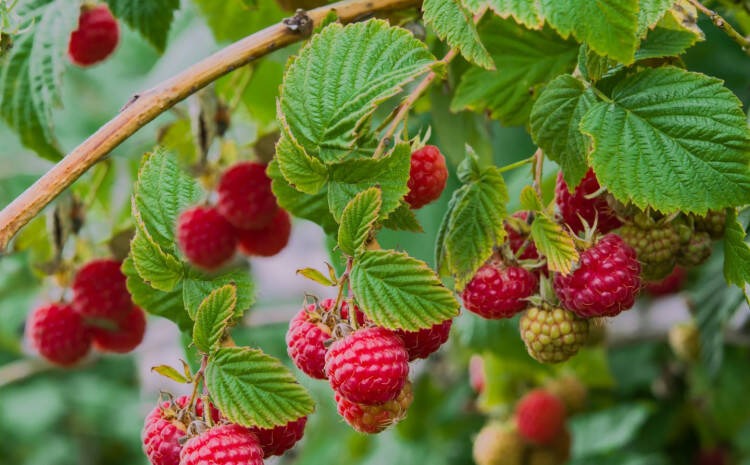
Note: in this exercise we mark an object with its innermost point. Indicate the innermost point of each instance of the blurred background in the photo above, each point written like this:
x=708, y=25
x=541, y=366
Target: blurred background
x=646, y=406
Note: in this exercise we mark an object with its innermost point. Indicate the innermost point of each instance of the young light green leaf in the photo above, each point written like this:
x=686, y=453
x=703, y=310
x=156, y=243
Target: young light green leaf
x=31, y=73
x=453, y=24
x=530, y=200
x=305, y=173
x=400, y=292
x=161, y=270
x=672, y=140
x=525, y=12
x=212, y=318
x=254, y=389
x=340, y=77
x=315, y=275
x=554, y=125
x=357, y=220
x=197, y=286
x=169, y=372
x=402, y=219
x=555, y=243
x=524, y=60
x=593, y=66
x=390, y=174
x=152, y=18
x=736, y=252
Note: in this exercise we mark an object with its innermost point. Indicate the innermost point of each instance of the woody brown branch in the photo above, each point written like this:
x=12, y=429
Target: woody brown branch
x=146, y=106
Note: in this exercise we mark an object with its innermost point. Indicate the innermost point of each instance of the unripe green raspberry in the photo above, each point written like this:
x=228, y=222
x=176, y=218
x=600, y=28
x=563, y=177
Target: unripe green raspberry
x=656, y=247
x=498, y=444
x=571, y=391
x=695, y=252
x=685, y=341
x=553, y=335
x=713, y=223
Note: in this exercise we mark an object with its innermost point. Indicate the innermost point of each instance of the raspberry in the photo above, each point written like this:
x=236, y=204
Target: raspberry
x=372, y=419
x=714, y=456
x=269, y=240
x=427, y=176
x=277, y=440
x=498, y=444
x=420, y=344
x=571, y=391
x=684, y=339
x=59, y=334
x=369, y=366
x=668, y=285
x=695, y=252
x=126, y=337
x=516, y=239
x=99, y=291
x=205, y=237
x=553, y=335
x=713, y=223
x=575, y=206
x=96, y=37
x=476, y=373
x=165, y=426
x=606, y=282
x=540, y=416
x=499, y=292
x=223, y=445
x=245, y=197
x=656, y=246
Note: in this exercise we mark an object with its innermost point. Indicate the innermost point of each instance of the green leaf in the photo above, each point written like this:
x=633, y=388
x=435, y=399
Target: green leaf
x=197, y=286
x=162, y=191
x=621, y=423
x=650, y=12
x=152, y=18
x=593, y=66
x=305, y=173
x=663, y=42
x=390, y=174
x=555, y=243
x=232, y=20
x=473, y=225
x=400, y=292
x=212, y=318
x=299, y=204
x=453, y=24
x=526, y=12
x=31, y=73
x=402, y=219
x=340, y=77
x=608, y=26
x=254, y=389
x=315, y=275
x=736, y=252
x=554, y=125
x=357, y=220
x=530, y=200
x=159, y=269
x=672, y=140
x=168, y=305
x=171, y=373
x=524, y=60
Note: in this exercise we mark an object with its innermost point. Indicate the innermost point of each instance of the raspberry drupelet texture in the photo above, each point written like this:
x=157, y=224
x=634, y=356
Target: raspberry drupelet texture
x=245, y=197
x=427, y=176
x=656, y=247
x=713, y=223
x=540, y=417
x=269, y=240
x=99, y=291
x=127, y=335
x=606, y=282
x=696, y=251
x=96, y=37
x=205, y=237
x=420, y=344
x=276, y=441
x=373, y=419
x=553, y=335
x=669, y=285
x=59, y=334
x=516, y=239
x=369, y=366
x=499, y=292
x=305, y=341
x=572, y=205
x=223, y=445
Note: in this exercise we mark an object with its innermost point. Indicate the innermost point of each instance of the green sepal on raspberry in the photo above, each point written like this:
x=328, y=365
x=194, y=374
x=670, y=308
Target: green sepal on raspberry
x=96, y=37
x=551, y=334
x=427, y=176
x=577, y=208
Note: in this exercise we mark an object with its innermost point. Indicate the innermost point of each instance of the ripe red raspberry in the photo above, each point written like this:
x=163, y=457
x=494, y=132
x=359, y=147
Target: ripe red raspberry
x=420, y=344
x=276, y=441
x=269, y=240
x=205, y=237
x=427, y=176
x=96, y=37
x=606, y=282
x=499, y=292
x=126, y=337
x=476, y=373
x=99, y=291
x=517, y=239
x=373, y=419
x=369, y=366
x=668, y=285
x=540, y=417
x=553, y=335
x=245, y=197
x=59, y=334
x=575, y=204
x=165, y=426
x=223, y=445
